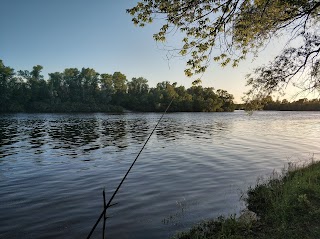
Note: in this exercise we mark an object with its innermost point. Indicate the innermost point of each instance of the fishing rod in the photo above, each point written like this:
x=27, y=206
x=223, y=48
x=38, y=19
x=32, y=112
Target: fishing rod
x=106, y=206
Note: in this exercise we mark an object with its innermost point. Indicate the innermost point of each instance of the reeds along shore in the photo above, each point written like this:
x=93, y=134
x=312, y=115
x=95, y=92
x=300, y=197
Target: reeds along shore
x=287, y=205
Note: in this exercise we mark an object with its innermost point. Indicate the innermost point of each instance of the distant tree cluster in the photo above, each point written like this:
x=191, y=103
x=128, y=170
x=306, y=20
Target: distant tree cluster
x=268, y=103
x=299, y=105
x=86, y=90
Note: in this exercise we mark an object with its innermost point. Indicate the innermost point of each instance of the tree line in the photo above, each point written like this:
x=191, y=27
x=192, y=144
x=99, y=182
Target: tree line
x=86, y=90
x=267, y=103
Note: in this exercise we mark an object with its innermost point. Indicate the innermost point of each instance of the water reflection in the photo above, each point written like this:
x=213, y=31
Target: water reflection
x=37, y=130
x=139, y=130
x=170, y=130
x=114, y=133
x=8, y=132
x=54, y=167
x=8, y=136
x=73, y=133
x=173, y=129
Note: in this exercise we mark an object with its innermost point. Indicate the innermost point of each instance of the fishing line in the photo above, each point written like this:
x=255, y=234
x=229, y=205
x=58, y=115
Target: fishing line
x=125, y=176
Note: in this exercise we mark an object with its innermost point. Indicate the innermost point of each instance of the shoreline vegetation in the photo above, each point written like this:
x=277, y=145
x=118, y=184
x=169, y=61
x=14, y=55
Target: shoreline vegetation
x=287, y=205
x=86, y=90
x=268, y=103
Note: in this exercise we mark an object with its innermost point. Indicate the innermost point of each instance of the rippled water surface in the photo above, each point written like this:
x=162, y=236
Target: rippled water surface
x=53, y=168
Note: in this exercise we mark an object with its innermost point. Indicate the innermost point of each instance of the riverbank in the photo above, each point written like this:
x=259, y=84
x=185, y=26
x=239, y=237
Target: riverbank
x=284, y=206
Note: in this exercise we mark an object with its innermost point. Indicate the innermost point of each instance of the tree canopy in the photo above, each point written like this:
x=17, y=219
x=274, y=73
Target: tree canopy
x=86, y=90
x=267, y=103
x=228, y=30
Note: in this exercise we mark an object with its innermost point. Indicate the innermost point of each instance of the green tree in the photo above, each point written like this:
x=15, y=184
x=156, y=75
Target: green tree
x=184, y=100
x=227, y=100
x=119, y=81
x=6, y=74
x=212, y=102
x=106, y=88
x=138, y=86
x=137, y=97
x=161, y=95
x=240, y=27
x=73, y=85
x=38, y=91
x=56, y=86
x=89, y=81
x=19, y=95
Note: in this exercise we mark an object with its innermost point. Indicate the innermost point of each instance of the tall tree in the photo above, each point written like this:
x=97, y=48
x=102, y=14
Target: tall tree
x=138, y=86
x=72, y=81
x=56, y=86
x=239, y=27
x=6, y=74
x=120, y=86
x=90, y=80
x=119, y=82
x=36, y=83
x=107, y=89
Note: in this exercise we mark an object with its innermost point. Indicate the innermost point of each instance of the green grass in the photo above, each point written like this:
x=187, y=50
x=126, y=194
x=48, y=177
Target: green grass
x=288, y=206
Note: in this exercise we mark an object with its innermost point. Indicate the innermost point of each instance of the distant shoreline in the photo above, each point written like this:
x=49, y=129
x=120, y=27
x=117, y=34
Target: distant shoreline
x=124, y=111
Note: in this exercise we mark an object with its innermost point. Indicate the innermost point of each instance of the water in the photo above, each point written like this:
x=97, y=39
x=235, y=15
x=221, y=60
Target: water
x=53, y=168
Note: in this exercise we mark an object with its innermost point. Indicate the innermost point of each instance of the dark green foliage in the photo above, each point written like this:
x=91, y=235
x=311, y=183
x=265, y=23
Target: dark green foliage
x=288, y=206
x=300, y=105
x=86, y=90
x=6, y=74
x=267, y=103
x=221, y=228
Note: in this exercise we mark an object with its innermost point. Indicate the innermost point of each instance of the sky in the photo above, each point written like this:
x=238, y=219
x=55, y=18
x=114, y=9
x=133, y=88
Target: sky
x=99, y=34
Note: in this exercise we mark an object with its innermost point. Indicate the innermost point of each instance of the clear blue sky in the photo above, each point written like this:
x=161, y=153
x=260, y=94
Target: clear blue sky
x=99, y=34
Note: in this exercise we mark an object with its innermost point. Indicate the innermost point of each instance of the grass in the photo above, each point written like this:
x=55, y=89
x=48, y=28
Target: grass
x=287, y=205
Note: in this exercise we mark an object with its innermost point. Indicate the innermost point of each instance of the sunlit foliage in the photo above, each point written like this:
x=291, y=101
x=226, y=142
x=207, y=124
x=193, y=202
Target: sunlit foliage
x=228, y=30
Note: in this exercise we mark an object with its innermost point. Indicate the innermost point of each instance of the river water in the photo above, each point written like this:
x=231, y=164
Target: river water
x=53, y=168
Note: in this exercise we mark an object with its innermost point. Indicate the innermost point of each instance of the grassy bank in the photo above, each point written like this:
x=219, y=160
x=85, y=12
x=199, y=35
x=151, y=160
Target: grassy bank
x=286, y=206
